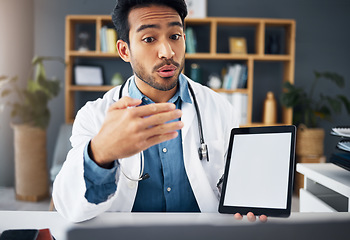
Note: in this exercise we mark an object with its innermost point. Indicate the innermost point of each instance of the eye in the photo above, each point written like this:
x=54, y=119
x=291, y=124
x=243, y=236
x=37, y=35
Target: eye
x=175, y=36
x=148, y=39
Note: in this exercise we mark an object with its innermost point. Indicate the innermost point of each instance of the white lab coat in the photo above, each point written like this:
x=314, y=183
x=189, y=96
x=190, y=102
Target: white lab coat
x=218, y=119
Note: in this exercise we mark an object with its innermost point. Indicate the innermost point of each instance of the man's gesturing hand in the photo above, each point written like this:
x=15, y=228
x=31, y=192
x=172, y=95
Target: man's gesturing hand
x=128, y=129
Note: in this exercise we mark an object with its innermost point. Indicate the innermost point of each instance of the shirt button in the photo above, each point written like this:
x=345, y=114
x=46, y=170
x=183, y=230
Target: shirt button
x=165, y=150
x=168, y=189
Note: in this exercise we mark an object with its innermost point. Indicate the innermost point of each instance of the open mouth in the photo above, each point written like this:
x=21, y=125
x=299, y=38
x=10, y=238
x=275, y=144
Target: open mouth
x=167, y=71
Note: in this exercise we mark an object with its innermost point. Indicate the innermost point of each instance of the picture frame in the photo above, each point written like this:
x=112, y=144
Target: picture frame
x=196, y=8
x=88, y=75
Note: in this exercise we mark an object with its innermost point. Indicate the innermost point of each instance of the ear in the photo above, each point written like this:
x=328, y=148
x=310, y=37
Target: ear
x=185, y=40
x=123, y=50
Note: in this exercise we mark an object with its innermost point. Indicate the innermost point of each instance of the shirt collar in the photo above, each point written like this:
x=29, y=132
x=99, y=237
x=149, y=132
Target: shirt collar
x=182, y=92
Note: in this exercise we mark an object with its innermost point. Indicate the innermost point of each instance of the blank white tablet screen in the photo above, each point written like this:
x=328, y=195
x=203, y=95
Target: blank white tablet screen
x=259, y=171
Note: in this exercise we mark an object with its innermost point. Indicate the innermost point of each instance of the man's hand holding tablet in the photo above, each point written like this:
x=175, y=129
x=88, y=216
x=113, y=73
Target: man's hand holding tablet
x=255, y=152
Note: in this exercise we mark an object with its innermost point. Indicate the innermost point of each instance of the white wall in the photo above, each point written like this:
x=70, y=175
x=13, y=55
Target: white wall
x=16, y=52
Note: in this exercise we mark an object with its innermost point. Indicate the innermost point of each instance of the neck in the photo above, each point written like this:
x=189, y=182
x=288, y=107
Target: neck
x=155, y=95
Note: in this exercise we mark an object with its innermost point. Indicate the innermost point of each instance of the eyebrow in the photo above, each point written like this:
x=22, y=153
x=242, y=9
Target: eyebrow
x=145, y=26
x=175, y=24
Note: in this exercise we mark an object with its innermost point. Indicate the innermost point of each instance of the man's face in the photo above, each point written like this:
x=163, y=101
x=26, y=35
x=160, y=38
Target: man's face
x=157, y=46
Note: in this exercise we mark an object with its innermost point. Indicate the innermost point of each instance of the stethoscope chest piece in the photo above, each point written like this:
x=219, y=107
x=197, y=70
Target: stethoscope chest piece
x=203, y=152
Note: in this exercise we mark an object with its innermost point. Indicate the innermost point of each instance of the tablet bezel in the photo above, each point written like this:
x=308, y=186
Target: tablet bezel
x=275, y=212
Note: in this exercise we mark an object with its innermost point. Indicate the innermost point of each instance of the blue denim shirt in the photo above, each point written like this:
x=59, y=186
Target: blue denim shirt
x=168, y=188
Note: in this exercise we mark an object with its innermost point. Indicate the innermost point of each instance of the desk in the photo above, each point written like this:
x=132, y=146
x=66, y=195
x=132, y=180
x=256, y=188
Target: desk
x=326, y=188
x=59, y=226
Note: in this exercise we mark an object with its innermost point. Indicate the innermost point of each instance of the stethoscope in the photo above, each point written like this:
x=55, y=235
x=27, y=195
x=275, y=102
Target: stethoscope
x=202, y=150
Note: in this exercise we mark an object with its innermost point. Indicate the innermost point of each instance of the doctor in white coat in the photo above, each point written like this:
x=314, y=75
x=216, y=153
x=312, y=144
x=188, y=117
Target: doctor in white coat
x=112, y=132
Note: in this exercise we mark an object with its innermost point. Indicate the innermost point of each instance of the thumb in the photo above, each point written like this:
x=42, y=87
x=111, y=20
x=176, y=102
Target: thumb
x=125, y=102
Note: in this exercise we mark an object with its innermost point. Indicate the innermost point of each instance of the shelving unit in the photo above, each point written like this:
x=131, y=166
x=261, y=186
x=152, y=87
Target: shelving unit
x=212, y=53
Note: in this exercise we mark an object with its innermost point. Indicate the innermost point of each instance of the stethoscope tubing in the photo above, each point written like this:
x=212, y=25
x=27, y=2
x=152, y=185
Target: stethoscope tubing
x=200, y=129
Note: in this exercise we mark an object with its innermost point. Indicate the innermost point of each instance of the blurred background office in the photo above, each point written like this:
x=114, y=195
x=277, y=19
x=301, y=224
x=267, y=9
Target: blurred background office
x=37, y=27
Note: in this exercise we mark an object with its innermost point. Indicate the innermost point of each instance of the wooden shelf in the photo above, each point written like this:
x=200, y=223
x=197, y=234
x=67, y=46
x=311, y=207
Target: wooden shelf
x=238, y=90
x=230, y=56
x=79, y=88
x=94, y=54
x=260, y=124
x=212, y=24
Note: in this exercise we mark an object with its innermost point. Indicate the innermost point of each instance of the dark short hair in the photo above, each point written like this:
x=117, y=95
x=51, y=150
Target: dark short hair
x=123, y=7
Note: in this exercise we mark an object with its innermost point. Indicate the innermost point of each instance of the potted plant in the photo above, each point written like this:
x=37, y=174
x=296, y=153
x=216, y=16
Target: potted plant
x=30, y=118
x=310, y=109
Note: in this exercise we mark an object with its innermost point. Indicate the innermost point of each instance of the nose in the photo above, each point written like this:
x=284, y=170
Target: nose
x=165, y=50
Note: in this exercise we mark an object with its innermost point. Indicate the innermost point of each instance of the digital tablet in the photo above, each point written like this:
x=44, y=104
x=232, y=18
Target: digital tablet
x=259, y=171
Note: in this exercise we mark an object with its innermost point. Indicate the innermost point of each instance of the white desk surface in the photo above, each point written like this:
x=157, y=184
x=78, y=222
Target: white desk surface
x=59, y=226
x=327, y=174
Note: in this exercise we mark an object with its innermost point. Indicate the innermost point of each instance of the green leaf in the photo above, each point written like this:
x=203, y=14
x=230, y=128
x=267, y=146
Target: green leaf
x=292, y=96
x=324, y=112
x=345, y=101
x=334, y=103
x=31, y=104
x=36, y=60
x=334, y=77
x=317, y=74
x=40, y=73
x=51, y=87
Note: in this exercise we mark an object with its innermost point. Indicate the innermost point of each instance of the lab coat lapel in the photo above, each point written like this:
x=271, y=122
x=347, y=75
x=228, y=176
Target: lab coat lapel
x=188, y=116
x=196, y=174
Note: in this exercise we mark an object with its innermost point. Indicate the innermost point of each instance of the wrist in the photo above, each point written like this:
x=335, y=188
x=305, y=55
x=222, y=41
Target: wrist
x=95, y=156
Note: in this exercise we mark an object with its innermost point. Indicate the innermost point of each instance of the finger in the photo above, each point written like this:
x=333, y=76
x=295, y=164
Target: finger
x=251, y=217
x=125, y=102
x=152, y=109
x=238, y=216
x=160, y=133
x=160, y=138
x=161, y=118
x=162, y=129
x=263, y=218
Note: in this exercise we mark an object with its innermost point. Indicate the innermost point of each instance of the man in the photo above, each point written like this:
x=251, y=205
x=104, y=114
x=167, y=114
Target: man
x=149, y=126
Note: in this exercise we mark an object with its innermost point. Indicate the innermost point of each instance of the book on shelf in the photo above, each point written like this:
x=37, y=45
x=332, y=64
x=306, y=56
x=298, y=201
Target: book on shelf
x=108, y=40
x=239, y=102
x=191, y=41
x=236, y=77
x=103, y=39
